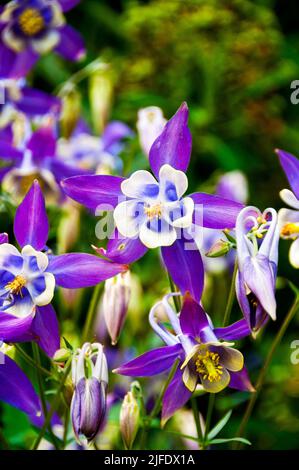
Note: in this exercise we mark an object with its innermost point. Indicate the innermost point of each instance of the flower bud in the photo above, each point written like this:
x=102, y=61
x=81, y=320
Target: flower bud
x=129, y=419
x=61, y=355
x=150, y=124
x=71, y=107
x=90, y=378
x=220, y=248
x=101, y=84
x=115, y=303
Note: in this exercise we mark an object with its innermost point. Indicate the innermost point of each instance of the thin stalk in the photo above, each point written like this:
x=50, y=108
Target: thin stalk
x=30, y=361
x=211, y=404
x=91, y=312
x=263, y=372
x=66, y=425
x=158, y=403
x=197, y=421
x=176, y=299
x=53, y=408
x=231, y=296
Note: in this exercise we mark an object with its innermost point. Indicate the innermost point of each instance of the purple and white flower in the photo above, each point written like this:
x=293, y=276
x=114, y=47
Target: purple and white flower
x=257, y=237
x=202, y=358
x=28, y=278
x=30, y=28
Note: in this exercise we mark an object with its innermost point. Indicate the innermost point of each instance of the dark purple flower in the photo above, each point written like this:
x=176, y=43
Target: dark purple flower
x=90, y=379
x=257, y=237
x=151, y=210
x=203, y=358
x=29, y=28
x=28, y=277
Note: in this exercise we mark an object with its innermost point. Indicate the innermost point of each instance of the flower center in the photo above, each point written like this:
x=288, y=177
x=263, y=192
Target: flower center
x=153, y=211
x=289, y=230
x=207, y=364
x=16, y=286
x=31, y=21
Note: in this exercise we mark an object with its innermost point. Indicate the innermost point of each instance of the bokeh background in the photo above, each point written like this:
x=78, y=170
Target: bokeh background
x=233, y=61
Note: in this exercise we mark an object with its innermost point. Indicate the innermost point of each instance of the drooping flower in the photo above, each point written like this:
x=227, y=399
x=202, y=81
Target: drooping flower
x=28, y=277
x=90, y=379
x=150, y=125
x=152, y=211
x=289, y=218
x=34, y=158
x=95, y=154
x=19, y=98
x=257, y=237
x=30, y=28
x=196, y=344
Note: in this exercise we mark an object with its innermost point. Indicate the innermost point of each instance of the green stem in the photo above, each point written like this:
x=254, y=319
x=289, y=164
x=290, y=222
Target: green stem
x=231, y=296
x=53, y=408
x=197, y=421
x=30, y=361
x=91, y=312
x=158, y=403
x=211, y=404
x=263, y=372
x=176, y=299
x=66, y=425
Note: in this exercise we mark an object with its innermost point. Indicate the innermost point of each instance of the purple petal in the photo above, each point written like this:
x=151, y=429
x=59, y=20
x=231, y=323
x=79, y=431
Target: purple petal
x=175, y=397
x=16, y=389
x=215, y=212
x=152, y=362
x=290, y=165
x=76, y=270
x=14, y=329
x=123, y=250
x=3, y=238
x=15, y=65
x=46, y=329
x=235, y=331
x=174, y=145
x=71, y=45
x=31, y=226
x=36, y=103
x=185, y=267
x=241, y=381
x=42, y=144
x=192, y=318
x=91, y=191
x=7, y=151
x=114, y=132
x=67, y=5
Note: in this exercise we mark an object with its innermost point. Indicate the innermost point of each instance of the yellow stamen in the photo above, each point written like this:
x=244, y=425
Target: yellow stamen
x=289, y=230
x=31, y=21
x=16, y=286
x=153, y=211
x=261, y=220
x=207, y=364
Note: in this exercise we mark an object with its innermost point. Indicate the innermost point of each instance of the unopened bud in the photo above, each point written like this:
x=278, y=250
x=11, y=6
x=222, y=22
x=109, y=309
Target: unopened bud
x=71, y=108
x=100, y=96
x=61, y=355
x=90, y=378
x=220, y=248
x=115, y=303
x=129, y=419
x=150, y=125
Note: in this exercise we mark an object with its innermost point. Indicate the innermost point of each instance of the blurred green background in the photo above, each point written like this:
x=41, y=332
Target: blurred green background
x=233, y=61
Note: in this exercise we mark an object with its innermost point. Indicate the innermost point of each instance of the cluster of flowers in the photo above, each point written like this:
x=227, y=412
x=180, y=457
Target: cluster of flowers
x=150, y=210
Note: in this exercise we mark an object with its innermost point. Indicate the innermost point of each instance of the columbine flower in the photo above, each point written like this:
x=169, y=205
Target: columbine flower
x=257, y=250
x=289, y=218
x=203, y=358
x=34, y=158
x=150, y=125
x=154, y=211
x=90, y=378
x=29, y=28
x=28, y=277
x=18, y=98
x=96, y=154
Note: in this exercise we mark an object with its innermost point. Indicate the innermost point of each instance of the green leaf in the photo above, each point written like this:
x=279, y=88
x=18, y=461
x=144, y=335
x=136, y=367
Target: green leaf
x=232, y=439
x=67, y=344
x=219, y=426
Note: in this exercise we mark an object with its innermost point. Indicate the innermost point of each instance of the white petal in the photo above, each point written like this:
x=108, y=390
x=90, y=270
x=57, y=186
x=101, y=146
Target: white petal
x=12, y=41
x=185, y=221
x=128, y=216
x=289, y=198
x=7, y=250
x=41, y=258
x=173, y=183
x=47, y=43
x=47, y=295
x=294, y=254
x=23, y=308
x=141, y=185
x=153, y=238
